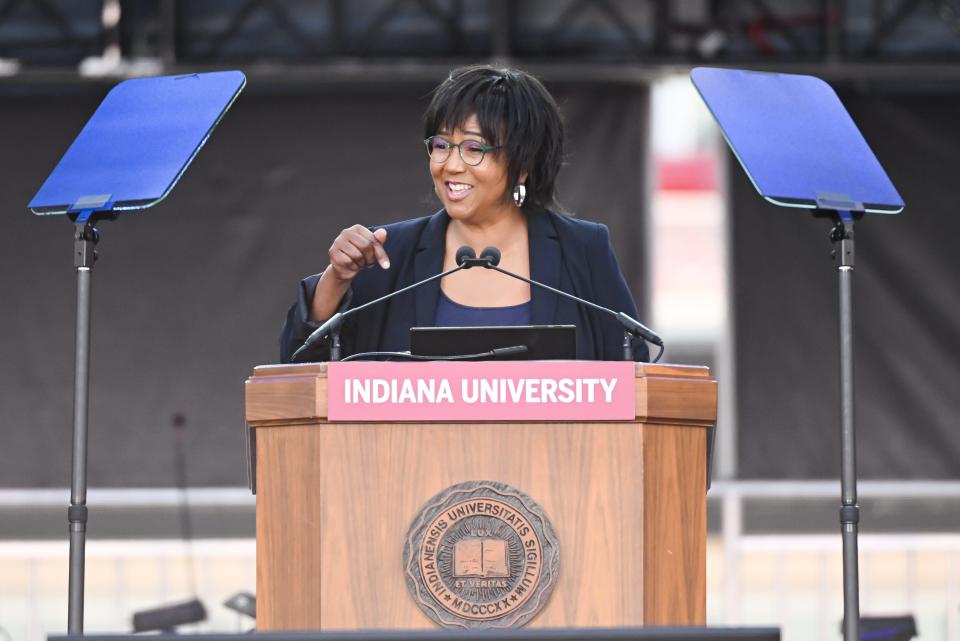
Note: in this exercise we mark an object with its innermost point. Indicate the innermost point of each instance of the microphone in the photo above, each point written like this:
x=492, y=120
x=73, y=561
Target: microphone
x=490, y=259
x=465, y=257
x=464, y=254
x=490, y=256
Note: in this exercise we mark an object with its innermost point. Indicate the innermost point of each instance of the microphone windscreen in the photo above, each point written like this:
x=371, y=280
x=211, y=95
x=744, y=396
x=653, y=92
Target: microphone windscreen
x=464, y=253
x=492, y=253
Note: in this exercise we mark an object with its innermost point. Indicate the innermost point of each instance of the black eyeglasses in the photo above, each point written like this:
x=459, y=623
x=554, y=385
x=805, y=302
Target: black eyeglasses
x=471, y=151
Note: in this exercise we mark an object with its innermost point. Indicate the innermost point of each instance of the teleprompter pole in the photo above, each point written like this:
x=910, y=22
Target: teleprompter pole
x=84, y=255
x=842, y=237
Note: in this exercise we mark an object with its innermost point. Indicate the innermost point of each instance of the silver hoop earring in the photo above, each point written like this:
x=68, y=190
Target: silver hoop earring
x=519, y=194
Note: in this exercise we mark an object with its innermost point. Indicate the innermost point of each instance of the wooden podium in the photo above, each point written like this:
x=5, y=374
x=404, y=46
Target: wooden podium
x=334, y=502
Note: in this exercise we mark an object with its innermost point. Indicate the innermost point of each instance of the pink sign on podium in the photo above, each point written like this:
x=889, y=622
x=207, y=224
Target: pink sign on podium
x=481, y=391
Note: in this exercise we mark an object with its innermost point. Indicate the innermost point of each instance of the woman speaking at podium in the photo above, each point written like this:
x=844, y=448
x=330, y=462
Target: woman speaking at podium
x=494, y=143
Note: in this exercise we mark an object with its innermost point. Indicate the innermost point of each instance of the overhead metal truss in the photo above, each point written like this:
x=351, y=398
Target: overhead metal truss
x=49, y=32
x=295, y=32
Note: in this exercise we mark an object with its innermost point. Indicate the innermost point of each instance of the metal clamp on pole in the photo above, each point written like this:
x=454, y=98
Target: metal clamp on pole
x=85, y=240
x=842, y=237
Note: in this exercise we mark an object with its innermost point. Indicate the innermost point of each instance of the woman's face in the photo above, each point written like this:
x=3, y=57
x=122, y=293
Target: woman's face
x=471, y=193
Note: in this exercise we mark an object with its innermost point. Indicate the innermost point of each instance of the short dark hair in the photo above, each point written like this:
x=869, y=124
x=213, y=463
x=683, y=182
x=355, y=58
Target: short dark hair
x=515, y=111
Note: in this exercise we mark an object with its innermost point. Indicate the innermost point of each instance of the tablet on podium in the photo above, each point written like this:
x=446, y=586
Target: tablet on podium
x=540, y=342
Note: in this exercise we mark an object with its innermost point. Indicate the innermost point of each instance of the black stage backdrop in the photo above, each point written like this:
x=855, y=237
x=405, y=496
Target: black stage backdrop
x=190, y=295
x=906, y=312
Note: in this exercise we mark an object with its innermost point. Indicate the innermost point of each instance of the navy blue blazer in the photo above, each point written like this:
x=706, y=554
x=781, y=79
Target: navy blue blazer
x=566, y=253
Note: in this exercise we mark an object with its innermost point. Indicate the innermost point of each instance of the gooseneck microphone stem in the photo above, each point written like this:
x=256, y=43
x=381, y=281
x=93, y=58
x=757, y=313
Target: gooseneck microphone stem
x=631, y=326
x=377, y=301
x=332, y=327
x=552, y=289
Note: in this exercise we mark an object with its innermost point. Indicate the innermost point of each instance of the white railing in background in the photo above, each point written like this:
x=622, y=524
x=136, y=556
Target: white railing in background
x=122, y=577
x=934, y=598
x=129, y=497
x=791, y=580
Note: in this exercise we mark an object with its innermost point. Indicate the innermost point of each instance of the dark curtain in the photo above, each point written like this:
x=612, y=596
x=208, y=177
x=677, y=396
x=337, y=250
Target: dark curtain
x=190, y=295
x=906, y=310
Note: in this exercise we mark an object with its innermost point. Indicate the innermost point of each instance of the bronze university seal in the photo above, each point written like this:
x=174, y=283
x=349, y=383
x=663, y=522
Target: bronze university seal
x=481, y=554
